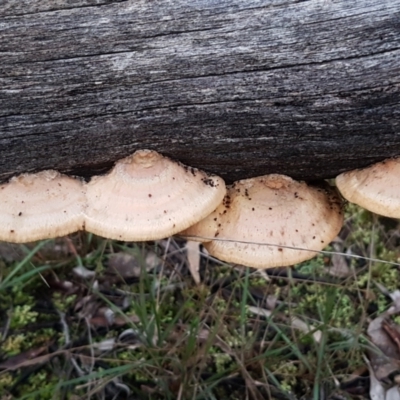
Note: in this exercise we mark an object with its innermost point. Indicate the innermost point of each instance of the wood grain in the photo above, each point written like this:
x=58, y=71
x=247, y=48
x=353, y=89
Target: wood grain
x=236, y=87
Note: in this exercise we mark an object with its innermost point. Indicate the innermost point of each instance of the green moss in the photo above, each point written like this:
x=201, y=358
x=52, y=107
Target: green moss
x=222, y=362
x=22, y=316
x=43, y=382
x=313, y=267
x=384, y=274
x=288, y=372
x=220, y=305
x=14, y=344
x=382, y=303
x=62, y=302
x=44, y=336
x=335, y=308
x=6, y=380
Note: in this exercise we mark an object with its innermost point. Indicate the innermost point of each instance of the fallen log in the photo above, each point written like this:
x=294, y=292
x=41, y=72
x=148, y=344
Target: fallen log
x=236, y=87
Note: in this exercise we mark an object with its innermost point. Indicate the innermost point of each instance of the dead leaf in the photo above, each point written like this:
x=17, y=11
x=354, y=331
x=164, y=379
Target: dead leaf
x=11, y=252
x=104, y=321
x=393, y=393
x=387, y=361
x=81, y=272
x=340, y=268
x=24, y=358
x=126, y=266
x=263, y=312
x=297, y=323
x=63, y=286
x=393, y=331
x=123, y=265
x=376, y=389
x=385, y=335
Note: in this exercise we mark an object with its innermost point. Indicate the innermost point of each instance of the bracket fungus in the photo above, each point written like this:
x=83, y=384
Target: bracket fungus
x=376, y=188
x=147, y=196
x=40, y=206
x=260, y=218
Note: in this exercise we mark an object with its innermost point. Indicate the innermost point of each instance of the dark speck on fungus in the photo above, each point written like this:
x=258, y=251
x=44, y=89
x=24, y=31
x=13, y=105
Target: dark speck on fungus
x=209, y=182
x=245, y=221
x=176, y=191
x=50, y=190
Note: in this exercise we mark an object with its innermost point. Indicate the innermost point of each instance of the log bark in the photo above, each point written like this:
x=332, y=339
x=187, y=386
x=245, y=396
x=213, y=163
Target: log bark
x=308, y=88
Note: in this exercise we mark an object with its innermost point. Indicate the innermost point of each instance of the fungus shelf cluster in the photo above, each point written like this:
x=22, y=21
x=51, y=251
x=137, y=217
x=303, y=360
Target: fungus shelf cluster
x=260, y=222
x=145, y=197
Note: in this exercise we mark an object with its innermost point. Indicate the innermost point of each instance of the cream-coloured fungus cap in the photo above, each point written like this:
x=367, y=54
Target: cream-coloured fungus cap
x=275, y=210
x=376, y=188
x=40, y=206
x=147, y=197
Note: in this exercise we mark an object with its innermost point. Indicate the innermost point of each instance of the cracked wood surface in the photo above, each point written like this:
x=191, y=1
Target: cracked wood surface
x=236, y=87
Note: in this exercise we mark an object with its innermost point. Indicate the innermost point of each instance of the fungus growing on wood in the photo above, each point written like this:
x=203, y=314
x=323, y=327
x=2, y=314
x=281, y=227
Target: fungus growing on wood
x=259, y=217
x=40, y=206
x=376, y=188
x=147, y=196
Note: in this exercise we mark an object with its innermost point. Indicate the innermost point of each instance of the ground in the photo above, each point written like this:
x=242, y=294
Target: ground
x=82, y=317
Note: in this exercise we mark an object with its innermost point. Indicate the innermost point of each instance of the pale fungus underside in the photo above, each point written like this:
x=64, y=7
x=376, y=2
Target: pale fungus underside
x=260, y=218
x=147, y=196
x=375, y=188
x=40, y=206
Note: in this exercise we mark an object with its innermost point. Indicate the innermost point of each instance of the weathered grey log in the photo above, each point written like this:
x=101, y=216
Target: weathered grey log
x=237, y=87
